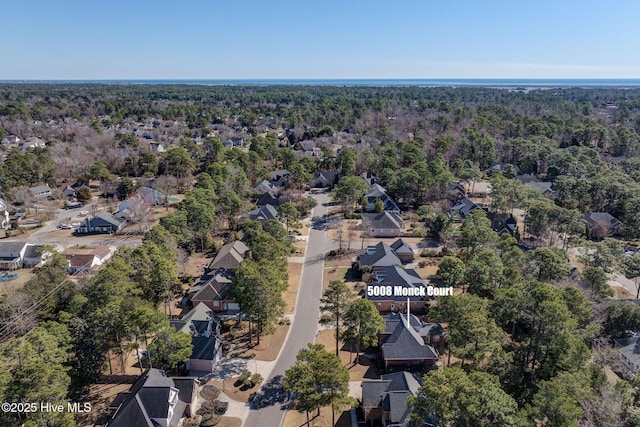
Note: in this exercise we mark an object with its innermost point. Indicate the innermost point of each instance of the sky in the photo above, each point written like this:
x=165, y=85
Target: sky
x=322, y=39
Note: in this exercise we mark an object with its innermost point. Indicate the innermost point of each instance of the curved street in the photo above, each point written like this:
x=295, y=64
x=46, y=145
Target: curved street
x=270, y=403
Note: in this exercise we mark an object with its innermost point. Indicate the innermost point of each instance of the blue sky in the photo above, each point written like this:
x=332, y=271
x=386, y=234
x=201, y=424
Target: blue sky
x=327, y=39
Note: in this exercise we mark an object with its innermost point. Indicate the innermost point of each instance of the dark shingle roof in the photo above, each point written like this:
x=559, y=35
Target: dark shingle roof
x=385, y=220
x=391, y=393
x=380, y=255
x=405, y=343
x=401, y=247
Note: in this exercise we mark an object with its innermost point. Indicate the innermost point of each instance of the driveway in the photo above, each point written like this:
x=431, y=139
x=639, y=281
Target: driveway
x=271, y=401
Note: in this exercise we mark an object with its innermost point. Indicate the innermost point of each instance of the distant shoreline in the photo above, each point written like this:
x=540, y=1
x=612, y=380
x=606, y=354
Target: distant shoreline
x=524, y=84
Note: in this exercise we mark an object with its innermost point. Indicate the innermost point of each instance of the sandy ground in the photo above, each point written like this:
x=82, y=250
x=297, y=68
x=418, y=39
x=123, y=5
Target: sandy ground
x=268, y=348
x=364, y=369
x=237, y=393
x=13, y=285
x=294, y=418
x=289, y=296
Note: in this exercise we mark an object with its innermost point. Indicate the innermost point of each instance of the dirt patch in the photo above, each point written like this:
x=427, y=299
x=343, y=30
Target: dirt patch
x=293, y=418
x=195, y=265
x=622, y=293
x=342, y=260
x=289, y=296
x=268, y=348
x=11, y=286
x=299, y=247
x=235, y=392
x=229, y=422
x=428, y=271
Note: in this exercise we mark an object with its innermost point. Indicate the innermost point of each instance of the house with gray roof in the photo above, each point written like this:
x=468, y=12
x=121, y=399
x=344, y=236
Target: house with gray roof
x=152, y=196
x=629, y=350
x=403, y=250
x=212, y=289
x=462, y=207
x=325, y=179
x=40, y=191
x=230, y=256
x=379, y=256
x=204, y=329
x=103, y=222
x=154, y=400
x=4, y=215
x=602, y=224
x=385, y=400
x=263, y=213
x=377, y=192
x=370, y=178
x=11, y=255
x=396, y=277
x=406, y=348
x=431, y=333
x=384, y=224
x=265, y=187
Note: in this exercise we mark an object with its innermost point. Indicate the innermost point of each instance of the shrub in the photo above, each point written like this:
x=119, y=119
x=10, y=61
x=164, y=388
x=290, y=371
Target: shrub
x=243, y=377
x=332, y=252
x=209, y=392
x=256, y=379
x=325, y=319
x=247, y=383
x=214, y=420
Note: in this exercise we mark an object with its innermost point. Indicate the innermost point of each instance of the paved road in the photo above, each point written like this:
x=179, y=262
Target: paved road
x=269, y=405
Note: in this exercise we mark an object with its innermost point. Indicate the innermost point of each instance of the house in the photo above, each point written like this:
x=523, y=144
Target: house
x=10, y=140
x=86, y=260
x=406, y=348
x=212, y=289
x=503, y=224
x=403, y=250
x=69, y=192
x=34, y=255
x=5, y=220
x=385, y=401
x=154, y=400
x=629, y=349
x=31, y=142
x=230, y=256
x=104, y=222
x=265, y=187
x=396, y=278
x=379, y=256
x=384, y=224
x=601, y=224
x=263, y=213
x=271, y=198
x=152, y=196
x=370, y=178
x=462, y=207
x=204, y=330
x=456, y=191
x=14, y=255
x=377, y=192
x=502, y=168
x=134, y=208
x=280, y=175
x=40, y=191
x=531, y=181
x=234, y=142
x=326, y=179
x=431, y=333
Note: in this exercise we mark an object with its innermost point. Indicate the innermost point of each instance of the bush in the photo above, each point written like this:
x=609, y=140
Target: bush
x=247, y=383
x=325, y=319
x=243, y=377
x=332, y=252
x=214, y=420
x=209, y=392
x=430, y=253
x=256, y=379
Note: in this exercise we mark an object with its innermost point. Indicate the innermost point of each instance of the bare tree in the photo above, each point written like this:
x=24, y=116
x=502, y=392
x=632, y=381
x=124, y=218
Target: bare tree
x=16, y=314
x=165, y=184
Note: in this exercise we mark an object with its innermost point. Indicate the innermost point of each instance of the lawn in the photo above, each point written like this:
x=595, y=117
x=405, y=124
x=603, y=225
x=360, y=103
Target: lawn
x=289, y=296
x=235, y=391
x=268, y=348
x=293, y=418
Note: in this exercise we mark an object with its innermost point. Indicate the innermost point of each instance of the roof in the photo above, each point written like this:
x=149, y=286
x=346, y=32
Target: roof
x=11, y=247
x=148, y=398
x=196, y=321
x=212, y=287
x=230, y=255
x=39, y=189
x=391, y=392
x=385, y=220
x=101, y=251
x=265, y=186
x=424, y=329
x=603, y=219
x=405, y=343
x=464, y=207
x=397, y=276
x=630, y=348
x=80, y=260
x=401, y=247
x=263, y=213
x=109, y=218
x=326, y=175
x=380, y=255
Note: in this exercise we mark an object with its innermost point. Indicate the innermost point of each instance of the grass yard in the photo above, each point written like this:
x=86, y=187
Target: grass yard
x=268, y=348
x=293, y=418
x=289, y=296
x=365, y=369
x=235, y=392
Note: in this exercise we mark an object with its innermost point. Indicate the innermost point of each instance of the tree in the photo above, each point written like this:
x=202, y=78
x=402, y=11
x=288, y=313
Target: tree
x=51, y=287
x=170, y=348
x=451, y=271
x=126, y=187
x=335, y=300
x=596, y=279
x=453, y=397
x=484, y=273
x=100, y=171
x=631, y=268
x=289, y=214
x=476, y=232
x=257, y=287
x=349, y=190
x=364, y=323
x=559, y=399
x=83, y=195
x=177, y=162
x=621, y=318
x=319, y=379
x=551, y=264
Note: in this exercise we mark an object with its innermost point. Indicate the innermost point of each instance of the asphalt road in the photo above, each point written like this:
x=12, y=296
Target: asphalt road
x=270, y=404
